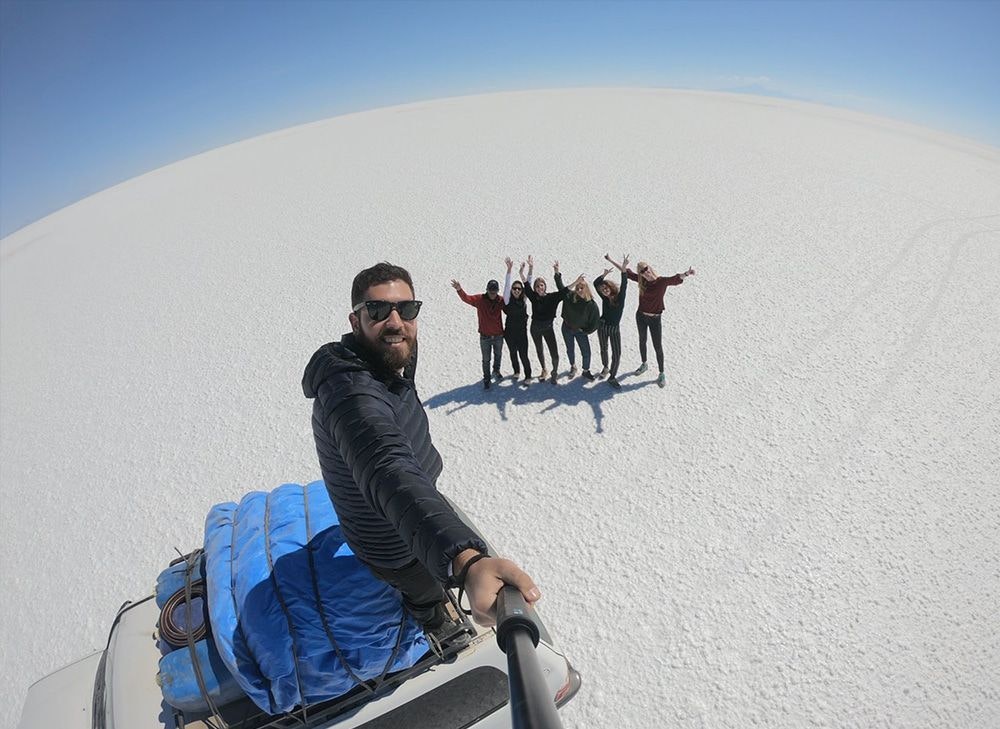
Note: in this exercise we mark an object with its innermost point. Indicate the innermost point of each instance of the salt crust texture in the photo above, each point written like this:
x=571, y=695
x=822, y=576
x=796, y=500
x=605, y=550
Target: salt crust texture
x=801, y=529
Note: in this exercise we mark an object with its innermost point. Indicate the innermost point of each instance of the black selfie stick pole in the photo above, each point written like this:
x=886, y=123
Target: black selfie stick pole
x=532, y=706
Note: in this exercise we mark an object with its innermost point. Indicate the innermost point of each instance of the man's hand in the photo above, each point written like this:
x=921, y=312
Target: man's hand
x=509, y=262
x=456, y=285
x=485, y=579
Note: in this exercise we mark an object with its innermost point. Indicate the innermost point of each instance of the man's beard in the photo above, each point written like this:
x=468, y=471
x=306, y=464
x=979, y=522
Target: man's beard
x=385, y=356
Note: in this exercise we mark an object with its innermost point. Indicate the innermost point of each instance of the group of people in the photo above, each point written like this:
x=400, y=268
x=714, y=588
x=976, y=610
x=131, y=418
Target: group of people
x=581, y=317
x=372, y=437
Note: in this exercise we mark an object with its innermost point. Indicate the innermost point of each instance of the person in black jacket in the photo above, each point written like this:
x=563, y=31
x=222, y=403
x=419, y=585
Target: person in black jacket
x=609, y=331
x=515, y=330
x=380, y=466
x=543, y=314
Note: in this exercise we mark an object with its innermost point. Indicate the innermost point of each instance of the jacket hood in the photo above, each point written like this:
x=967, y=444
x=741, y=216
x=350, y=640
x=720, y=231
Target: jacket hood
x=330, y=359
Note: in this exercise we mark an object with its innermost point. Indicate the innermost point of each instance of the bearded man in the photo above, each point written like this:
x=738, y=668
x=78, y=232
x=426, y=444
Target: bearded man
x=380, y=466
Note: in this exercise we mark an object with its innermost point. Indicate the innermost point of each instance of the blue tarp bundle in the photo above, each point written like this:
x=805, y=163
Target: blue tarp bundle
x=296, y=617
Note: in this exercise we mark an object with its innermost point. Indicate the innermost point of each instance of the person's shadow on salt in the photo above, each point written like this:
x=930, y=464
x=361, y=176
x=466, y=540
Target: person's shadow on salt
x=505, y=393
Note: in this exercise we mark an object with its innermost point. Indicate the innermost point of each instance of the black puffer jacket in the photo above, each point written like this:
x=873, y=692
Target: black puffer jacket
x=379, y=464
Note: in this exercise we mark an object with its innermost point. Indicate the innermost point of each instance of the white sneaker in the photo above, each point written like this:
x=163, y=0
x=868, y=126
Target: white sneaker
x=572, y=371
x=642, y=368
x=544, y=376
x=603, y=373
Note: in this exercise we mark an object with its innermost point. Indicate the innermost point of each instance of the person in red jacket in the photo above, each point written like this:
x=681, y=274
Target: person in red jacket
x=647, y=316
x=489, y=307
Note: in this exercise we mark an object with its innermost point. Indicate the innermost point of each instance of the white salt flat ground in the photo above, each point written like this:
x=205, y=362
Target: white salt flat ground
x=801, y=529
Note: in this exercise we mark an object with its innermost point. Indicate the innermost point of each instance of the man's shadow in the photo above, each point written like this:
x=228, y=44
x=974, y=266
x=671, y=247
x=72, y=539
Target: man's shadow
x=508, y=392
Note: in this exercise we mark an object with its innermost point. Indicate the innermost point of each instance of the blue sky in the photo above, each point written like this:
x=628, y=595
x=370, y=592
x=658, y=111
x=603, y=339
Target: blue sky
x=93, y=92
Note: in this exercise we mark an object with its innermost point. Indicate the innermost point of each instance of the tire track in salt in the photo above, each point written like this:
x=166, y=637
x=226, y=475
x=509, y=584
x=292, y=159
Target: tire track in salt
x=910, y=347
x=15, y=249
x=876, y=283
x=785, y=513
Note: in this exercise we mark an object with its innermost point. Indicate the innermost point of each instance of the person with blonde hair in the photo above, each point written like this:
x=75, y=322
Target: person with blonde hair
x=609, y=331
x=647, y=317
x=580, y=319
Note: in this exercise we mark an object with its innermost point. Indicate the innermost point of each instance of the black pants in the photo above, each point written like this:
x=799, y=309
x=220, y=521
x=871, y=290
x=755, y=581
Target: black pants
x=492, y=345
x=610, y=334
x=652, y=324
x=540, y=331
x=422, y=594
x=517, y=344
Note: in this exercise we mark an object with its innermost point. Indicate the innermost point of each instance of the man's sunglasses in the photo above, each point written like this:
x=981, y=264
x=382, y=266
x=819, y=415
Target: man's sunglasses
x=381, y=310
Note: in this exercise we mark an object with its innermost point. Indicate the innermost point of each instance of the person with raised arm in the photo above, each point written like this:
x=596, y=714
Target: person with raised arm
x=488, y=311
x=381, y=468
x=609, y=331
x=648, y=316
x=543, y=314
x=515, y=331
x=581, y=318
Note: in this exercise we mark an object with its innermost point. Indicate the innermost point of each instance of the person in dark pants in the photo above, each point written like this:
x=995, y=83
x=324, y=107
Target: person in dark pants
x=515, y=330
x=581, y=318
x=488, y=310
x=381, y=467
x=543, y=314
x=647, y=316
x=609, y=331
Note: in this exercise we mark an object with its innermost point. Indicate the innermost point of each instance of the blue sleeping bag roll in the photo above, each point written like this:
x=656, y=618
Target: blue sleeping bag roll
x=179, y=683
x=296, y=617
x=172, y=579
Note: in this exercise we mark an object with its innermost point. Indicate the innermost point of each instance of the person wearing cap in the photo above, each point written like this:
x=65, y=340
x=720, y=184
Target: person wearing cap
x=489, y=309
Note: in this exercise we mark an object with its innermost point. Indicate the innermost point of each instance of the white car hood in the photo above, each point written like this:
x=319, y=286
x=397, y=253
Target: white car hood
x=63, y=699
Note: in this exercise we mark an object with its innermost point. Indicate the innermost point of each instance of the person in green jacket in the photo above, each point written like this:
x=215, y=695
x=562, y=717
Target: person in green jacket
x=581, y=318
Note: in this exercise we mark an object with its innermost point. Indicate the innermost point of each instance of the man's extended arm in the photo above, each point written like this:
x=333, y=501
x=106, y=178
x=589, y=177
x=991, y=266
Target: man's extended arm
x=470, y=300
x=391, y=480
x=382, y=463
